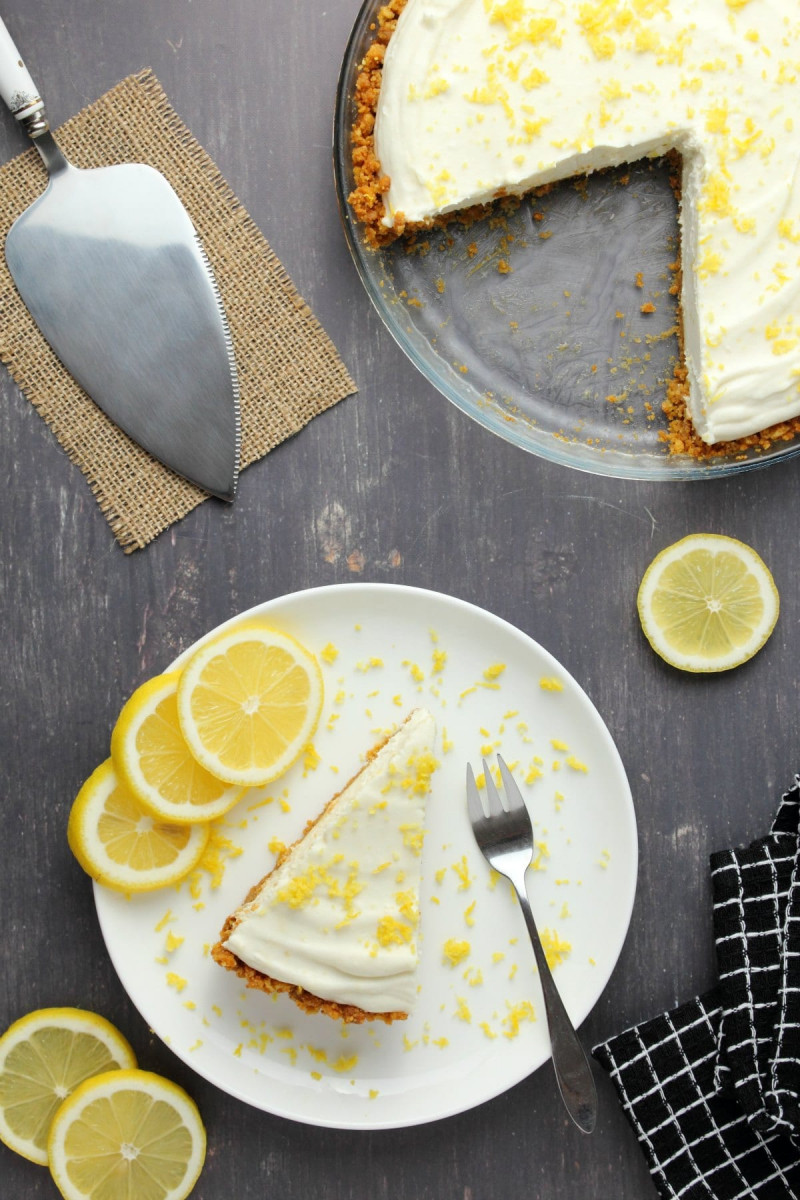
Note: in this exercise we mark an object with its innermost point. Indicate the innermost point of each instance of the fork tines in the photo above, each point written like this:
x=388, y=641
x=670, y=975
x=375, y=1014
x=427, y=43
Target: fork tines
x=511, y=800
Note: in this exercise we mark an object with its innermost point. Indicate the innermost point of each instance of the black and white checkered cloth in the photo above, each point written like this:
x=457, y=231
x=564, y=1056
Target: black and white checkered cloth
x=712, y=1089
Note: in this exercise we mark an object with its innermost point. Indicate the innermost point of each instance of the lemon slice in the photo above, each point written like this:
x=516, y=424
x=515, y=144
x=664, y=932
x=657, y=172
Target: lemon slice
x=121, y=845
x=153, y=761
x=707, y=603
x=44, y=1056
x=127, y=1134
x=248, y=703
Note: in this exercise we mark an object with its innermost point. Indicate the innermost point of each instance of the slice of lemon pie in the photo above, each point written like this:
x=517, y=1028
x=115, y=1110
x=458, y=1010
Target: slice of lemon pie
x=335, y=924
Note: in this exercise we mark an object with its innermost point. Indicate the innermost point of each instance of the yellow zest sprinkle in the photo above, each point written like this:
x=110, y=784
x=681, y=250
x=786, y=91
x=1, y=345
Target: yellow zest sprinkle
x=454, y=952
x=173, y=942
x=461, y=869
x=517, y=1013
x=260, y=803
x=463, y=1010
x=391, y=932
x=311, y=758
x=543, y=852
x=344, y=1063
x=576, y=764
x=176, y=981
x=551, y=685
x=220, y=848
x=329, y=653
x=555, y=949
x=406, y=902
x=413, y=837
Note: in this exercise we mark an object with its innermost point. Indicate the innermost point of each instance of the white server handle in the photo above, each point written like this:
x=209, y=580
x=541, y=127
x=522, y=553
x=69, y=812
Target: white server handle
x=16, y=85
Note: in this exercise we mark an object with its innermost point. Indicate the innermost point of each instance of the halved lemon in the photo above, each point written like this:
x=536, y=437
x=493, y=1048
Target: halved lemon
x=152, y=759
x=249, y=702
x=127, y=1134
x=44, y=1056
x=121, y=845
x=707, y=603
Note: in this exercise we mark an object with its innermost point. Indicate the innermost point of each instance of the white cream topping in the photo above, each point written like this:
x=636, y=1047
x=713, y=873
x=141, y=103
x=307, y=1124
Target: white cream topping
x=483, y=95
x=340, y=915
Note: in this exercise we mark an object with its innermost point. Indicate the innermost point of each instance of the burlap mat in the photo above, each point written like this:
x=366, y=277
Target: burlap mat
x=288, y=368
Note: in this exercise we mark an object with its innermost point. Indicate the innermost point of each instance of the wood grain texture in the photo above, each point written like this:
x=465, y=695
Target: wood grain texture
x=393, y=484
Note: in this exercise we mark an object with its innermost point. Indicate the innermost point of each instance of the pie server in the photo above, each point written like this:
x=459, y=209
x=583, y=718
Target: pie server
x=113, y=273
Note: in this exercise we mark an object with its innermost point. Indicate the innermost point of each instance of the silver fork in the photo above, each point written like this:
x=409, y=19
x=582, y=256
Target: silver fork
x=505, y=838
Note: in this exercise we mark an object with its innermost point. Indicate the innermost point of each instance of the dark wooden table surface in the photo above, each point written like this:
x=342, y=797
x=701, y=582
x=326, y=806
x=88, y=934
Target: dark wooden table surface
x=394, y=484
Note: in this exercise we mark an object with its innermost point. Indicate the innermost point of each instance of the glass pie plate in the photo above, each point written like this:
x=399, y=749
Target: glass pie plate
x=554, y=354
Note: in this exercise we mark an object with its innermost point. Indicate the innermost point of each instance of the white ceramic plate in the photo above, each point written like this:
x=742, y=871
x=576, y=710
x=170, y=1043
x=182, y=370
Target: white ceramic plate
x=471, y=1036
